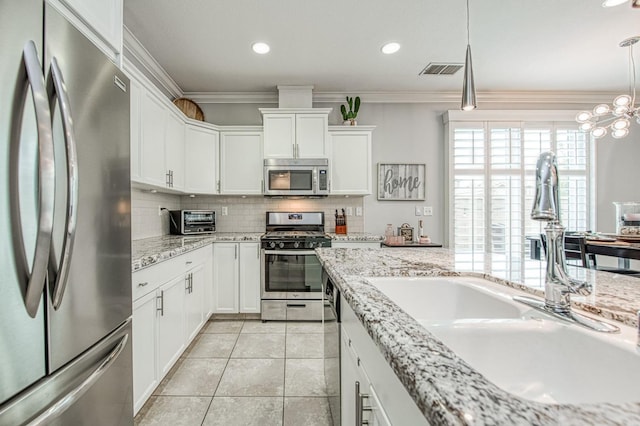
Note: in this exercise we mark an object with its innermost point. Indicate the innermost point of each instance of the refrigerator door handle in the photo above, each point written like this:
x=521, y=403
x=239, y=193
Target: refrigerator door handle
x=70, y=398
x=33, y=279
x=61, y=278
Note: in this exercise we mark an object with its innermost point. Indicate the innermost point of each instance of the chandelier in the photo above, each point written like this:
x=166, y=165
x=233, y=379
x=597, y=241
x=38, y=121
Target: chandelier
x=615, y=118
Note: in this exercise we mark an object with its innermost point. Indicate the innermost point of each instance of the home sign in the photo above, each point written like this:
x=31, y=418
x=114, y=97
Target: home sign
x=400, y=182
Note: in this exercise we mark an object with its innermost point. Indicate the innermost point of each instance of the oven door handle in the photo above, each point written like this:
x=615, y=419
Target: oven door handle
x=291, y=252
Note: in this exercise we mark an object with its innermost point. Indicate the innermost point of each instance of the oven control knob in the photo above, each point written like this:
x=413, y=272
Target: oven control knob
x=281, y=245
x=296, y=244
x=272, y=244
x=311, y=244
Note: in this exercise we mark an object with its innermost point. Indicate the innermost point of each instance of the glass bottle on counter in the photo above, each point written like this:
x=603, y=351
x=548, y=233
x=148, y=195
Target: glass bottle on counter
x=388, y=233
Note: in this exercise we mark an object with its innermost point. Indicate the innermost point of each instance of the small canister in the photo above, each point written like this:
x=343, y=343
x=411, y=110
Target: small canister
x=406, y=231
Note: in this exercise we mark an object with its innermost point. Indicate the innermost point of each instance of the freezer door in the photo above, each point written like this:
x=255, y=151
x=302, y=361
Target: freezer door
x=91, y=390
x=89, y=292
x=22, y=338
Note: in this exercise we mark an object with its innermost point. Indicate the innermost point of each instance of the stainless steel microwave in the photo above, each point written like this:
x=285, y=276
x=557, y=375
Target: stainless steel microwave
x=189, y=222
x=296, y=177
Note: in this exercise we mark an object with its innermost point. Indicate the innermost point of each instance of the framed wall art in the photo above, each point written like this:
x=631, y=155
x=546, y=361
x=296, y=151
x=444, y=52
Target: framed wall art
x=401, y=182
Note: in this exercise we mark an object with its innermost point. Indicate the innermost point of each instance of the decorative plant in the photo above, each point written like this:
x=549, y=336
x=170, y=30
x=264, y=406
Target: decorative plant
x=353, y=109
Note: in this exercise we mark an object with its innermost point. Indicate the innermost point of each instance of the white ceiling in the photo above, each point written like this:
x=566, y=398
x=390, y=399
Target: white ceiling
x=517, y=45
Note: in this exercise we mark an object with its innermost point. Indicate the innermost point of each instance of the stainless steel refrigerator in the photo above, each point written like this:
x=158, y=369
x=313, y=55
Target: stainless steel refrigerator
x=65, y=265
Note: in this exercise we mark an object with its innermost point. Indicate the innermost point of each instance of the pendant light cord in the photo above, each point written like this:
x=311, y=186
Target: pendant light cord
x=467, y=22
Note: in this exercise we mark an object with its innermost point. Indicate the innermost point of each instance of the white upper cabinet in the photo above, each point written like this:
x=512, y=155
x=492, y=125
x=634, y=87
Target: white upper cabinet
x=312, y=135
x=293, y=133
x=99, y=20
x=279, y=135
x=174, y=150
x=241, y=163
x=152, y=130
x=350, y=160
x=201, y=160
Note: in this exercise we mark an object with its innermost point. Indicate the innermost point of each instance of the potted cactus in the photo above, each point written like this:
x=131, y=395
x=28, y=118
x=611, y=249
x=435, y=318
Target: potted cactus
x=349, y=117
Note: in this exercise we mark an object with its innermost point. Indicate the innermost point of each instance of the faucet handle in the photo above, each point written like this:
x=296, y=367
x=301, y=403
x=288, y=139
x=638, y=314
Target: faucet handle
x=582, y=288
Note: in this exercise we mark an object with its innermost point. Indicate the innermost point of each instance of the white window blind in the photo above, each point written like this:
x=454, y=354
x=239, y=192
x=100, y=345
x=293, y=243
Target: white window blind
x=493, y=180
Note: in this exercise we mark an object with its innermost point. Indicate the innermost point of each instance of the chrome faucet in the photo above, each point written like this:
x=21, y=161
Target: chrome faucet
x=558, y=285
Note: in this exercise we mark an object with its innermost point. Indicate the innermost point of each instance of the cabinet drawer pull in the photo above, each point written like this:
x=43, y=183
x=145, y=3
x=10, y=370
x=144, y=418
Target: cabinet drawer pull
x=189, y=262
x=143, y=284
x=296, y=305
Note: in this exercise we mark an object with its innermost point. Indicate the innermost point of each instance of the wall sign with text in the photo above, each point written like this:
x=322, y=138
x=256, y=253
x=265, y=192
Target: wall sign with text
x=401, y=182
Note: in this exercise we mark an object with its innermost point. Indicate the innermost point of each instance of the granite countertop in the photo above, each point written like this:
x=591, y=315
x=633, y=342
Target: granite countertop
x=148, y=251
x=356, y=236
x=445, y=388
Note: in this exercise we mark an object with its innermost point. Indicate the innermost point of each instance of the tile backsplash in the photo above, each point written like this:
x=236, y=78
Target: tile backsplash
x=248, y=214
x=243, y=214
x=145, y=221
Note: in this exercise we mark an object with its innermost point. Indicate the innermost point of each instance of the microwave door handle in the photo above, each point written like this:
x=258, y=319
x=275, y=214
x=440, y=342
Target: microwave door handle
x=32, y=280
x=315, y=180
x=58, y=85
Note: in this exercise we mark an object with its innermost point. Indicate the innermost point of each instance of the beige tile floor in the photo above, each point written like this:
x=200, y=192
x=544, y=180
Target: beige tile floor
x=243, y=373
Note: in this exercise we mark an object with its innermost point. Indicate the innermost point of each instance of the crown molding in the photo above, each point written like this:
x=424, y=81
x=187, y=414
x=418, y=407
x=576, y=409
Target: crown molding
x=233, y=97
x=409, y=97
x=135, y=49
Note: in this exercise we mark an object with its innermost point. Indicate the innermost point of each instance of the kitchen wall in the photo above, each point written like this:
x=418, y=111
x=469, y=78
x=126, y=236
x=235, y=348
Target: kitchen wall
x=413, y=133
x=404, y=133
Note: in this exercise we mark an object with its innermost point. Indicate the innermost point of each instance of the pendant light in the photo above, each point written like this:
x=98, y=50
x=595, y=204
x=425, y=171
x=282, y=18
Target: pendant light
x=468, y=87
x=615, y=118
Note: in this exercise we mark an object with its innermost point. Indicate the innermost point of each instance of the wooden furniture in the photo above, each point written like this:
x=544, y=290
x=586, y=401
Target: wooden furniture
x=585, y=250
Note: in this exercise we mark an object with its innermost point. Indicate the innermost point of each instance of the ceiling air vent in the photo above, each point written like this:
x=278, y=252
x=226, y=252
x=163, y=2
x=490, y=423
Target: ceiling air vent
x=441, y=69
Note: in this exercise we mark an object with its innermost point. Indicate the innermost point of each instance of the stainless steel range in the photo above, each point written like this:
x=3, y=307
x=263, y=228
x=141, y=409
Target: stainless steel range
x=291, y=272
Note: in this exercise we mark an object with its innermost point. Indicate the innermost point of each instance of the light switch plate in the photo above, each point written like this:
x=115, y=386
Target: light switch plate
x=418, y=211
x=349, y=211
x=358, y=211
x=428, y=211
x=225, y=211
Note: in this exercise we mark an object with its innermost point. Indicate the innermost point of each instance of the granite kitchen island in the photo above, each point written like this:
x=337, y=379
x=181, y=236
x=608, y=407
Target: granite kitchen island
x=443, y=386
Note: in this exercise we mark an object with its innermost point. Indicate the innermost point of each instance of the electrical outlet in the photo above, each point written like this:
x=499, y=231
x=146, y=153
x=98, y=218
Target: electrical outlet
x=349, y=211
x=418, y=211
x=225, y=211
x=358, y=211
x=159, y=210
x=428, y=211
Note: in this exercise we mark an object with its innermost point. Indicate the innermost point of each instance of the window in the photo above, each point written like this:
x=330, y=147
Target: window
x=492, y=182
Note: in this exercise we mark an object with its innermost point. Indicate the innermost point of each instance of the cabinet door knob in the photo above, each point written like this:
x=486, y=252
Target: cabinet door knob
x=142, y=284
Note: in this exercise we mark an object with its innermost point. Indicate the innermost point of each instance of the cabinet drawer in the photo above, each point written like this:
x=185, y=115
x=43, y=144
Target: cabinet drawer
x=304, y=310
x=148, y=279
x=195, y=257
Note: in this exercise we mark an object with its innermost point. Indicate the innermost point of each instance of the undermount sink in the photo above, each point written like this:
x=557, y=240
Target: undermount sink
x=448, y=298
x=525, y=352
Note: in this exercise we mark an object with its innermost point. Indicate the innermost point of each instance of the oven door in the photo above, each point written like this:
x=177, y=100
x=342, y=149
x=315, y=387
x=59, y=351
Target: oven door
x=291, y=274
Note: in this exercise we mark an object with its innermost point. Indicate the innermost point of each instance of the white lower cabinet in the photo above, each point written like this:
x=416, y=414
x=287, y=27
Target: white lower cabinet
x=236, y=278
x=381, y=399
x=169, y=308
x=170, y=341
x=145, y=377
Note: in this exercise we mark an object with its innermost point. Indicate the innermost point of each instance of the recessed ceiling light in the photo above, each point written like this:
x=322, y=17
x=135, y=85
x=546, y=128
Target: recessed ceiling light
x=390, y=48
x=611, y=3
x=260, y=48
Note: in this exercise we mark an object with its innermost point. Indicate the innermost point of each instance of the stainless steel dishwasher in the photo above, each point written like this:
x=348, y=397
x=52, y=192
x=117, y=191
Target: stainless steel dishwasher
x=331, y=323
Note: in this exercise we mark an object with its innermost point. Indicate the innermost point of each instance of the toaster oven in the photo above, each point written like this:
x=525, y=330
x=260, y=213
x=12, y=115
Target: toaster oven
x=189, y=222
